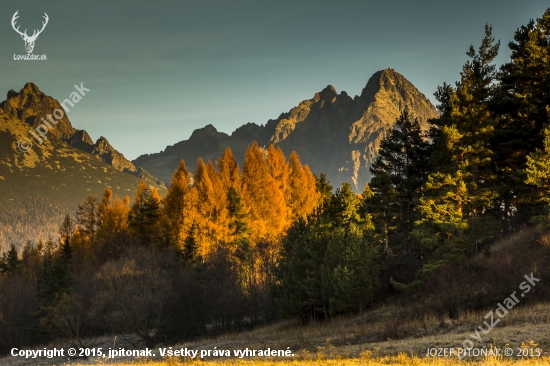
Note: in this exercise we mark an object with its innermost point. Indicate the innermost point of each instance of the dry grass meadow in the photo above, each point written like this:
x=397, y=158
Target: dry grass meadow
x=352, y=341
x=401, y=359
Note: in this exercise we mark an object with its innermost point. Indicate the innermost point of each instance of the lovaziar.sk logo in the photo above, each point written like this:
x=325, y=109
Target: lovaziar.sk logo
x=29, y=40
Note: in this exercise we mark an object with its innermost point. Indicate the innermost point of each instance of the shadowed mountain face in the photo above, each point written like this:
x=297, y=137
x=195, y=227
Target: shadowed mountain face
x=332, y=133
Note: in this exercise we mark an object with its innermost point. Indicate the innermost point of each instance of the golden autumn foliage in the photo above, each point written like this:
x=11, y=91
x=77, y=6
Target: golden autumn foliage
x=228, y=170
x=207, y=208
x=274, y=192
x=113, y=224
x=303, y=196
x=261, y=193
x=174, y=203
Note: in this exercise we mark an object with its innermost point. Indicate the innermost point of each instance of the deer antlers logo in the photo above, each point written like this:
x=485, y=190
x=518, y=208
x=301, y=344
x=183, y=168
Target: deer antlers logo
x=29, y=40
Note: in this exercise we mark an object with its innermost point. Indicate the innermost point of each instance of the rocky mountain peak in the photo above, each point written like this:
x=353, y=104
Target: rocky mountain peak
x=31, y=105
x=372, y=86
x=206, y=132
x=332, y=133
x=102, y=145
x=81, y=140
x=247, y=131
x=327, y=94
x=104, y=151
x=31, y=88
x=12, y=93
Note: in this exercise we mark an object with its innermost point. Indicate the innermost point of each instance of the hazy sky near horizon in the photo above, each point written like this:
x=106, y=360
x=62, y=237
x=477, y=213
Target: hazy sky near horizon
x=158, y=70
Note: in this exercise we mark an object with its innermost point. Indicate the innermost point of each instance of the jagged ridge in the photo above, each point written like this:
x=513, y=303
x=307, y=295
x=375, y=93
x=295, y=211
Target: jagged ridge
x=332, y=133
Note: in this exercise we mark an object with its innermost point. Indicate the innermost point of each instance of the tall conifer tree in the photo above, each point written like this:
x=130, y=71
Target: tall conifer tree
x=457, y=210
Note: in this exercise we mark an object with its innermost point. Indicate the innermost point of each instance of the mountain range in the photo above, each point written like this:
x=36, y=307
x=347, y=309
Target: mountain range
x=332, y=133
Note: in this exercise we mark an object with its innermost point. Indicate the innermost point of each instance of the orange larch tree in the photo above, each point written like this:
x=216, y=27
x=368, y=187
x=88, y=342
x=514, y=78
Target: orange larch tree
x=303, y=193
x=112, y=234
x=228, y=170
x=279, y=168
x=174, y=230
x=262, y=195
x=209, y=211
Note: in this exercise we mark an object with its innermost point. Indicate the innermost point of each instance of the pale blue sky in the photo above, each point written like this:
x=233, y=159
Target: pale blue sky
x=157, y=70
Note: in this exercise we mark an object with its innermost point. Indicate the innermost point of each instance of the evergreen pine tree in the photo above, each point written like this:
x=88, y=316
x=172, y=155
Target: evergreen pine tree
x=458, y=206
x=235, y=208
x=352, y=269
x=190, y=252
x=538, y=171
x=66, y=229
x=328, y=263
x=323, y=186
x=523, y=102
x=10, y=262
x=399, y=174
x=144, y=215
x=344, y=207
